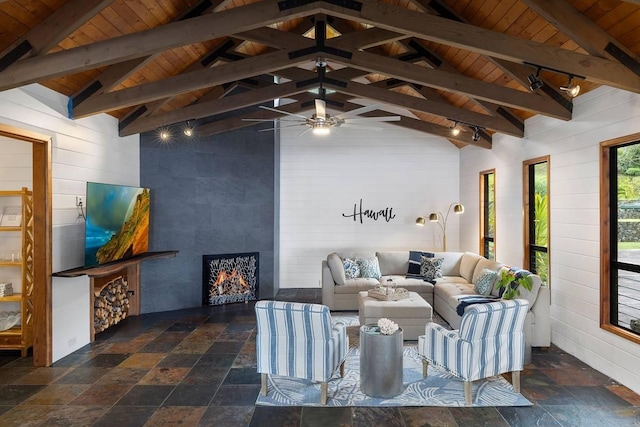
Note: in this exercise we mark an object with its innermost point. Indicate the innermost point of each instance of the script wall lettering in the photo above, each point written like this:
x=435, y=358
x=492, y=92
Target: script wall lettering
x=359, y=214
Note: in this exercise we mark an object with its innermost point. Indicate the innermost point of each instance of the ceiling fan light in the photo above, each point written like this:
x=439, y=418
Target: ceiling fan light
x=321, y=129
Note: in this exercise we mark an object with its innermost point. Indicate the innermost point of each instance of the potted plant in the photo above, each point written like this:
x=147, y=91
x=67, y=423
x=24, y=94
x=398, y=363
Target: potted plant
x=510, y=281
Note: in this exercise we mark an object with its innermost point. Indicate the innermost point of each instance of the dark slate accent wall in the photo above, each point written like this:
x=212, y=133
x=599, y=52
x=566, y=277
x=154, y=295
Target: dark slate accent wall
x=214, y=195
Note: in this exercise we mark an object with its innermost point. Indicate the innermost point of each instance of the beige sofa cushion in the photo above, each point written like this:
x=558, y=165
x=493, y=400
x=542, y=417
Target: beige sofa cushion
x=337, y=268
x=482, y=264
x=451, y=263
x=393, y=262
x=468, y=265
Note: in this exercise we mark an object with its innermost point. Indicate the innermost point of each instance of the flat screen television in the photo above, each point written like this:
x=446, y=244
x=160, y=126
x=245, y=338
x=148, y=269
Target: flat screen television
x=117, y=223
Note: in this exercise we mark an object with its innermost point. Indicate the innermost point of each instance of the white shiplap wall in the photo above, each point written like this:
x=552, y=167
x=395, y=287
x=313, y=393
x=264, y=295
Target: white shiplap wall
x=15, y=164
x=323, y=177
x=573, y=147
x=82, y=150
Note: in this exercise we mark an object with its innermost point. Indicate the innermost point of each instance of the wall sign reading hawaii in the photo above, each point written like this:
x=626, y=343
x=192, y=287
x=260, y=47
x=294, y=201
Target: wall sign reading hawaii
x=359, y=214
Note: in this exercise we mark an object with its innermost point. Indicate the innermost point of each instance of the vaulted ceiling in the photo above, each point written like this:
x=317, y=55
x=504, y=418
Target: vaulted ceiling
x=154, y=63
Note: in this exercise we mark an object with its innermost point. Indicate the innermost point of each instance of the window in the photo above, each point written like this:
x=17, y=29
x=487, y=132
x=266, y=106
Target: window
x=488, y=214
x=620, y=236
x=536, y=213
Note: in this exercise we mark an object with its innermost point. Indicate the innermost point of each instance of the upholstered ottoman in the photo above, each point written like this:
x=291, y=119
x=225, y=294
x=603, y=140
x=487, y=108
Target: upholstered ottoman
x=411, y=314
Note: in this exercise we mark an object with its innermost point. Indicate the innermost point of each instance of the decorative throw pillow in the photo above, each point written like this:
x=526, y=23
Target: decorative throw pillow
x=369, y=267
x=351, y=268
x=413, y=271
x=485, y=282
x=431, y=268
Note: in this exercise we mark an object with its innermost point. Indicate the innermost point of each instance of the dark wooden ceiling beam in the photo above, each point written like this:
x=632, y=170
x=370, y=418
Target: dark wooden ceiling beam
x=587, y=34
x=117, y=73
x=218, y=106
x=487, y=42
x=426, y=106
x=454, y=83
x=516, y=71
x=433, y=59
x=195, y=80
x=52, y=30
x=144, y=43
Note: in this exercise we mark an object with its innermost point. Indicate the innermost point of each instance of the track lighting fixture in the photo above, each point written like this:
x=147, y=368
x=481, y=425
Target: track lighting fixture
x=455, y=131
x=536, y=83
x=571, y=90
x=476, y=134
x=534, y=80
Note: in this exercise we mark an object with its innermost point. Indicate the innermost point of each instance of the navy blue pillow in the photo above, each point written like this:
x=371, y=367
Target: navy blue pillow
x=414, y=263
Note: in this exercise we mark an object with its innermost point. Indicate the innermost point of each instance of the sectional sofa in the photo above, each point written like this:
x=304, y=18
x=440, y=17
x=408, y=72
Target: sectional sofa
x=459, y=270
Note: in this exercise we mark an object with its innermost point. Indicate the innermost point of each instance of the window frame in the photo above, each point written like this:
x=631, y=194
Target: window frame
x=527, y=225
x=605, y=236
x=484, y=212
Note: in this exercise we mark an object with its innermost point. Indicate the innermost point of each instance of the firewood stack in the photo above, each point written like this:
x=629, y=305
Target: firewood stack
x=111, y=304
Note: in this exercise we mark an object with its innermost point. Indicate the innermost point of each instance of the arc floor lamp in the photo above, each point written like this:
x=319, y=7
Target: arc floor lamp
x=441, y=220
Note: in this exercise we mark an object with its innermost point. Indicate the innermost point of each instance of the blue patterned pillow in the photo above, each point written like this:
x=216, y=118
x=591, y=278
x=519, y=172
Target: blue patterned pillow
x=431, y=268
x=485, y=282
x=351, y=268
x=369, y=267
x=413, y=272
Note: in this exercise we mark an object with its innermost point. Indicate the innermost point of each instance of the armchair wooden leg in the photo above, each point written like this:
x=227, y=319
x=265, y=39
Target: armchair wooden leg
x=263, y=384
x=467, y=393
x=425, y=368
x=515, y=380
x=323, y=393
x=342, y=369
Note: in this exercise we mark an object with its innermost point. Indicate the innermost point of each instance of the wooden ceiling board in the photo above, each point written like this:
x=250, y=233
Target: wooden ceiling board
x=513, y=17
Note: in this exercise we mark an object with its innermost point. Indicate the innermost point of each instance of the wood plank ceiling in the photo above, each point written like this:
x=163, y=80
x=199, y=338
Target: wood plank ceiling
x=156, y=63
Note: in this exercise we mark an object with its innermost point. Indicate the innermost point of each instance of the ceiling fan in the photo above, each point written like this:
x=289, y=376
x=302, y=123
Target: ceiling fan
x=320, y=122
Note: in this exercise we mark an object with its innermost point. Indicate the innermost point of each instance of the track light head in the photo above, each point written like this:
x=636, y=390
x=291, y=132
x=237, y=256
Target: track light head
x=571, y=90
x=534, y=80
x=188, y=129
x=476, y=134
x=455, y=131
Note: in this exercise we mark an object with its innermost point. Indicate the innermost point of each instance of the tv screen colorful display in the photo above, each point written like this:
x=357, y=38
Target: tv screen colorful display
x=117, y=222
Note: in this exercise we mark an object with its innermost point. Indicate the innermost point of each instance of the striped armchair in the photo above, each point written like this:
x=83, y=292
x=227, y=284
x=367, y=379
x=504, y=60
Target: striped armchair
x=299, y=340
x=490, y=341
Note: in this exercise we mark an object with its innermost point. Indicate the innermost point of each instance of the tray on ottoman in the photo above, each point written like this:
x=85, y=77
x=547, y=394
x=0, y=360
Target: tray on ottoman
x=384, y=294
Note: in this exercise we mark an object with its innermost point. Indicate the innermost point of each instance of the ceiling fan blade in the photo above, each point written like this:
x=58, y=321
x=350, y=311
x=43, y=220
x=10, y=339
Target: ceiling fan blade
x=279, y=119
x=282, y=112
x=321, y=109
x=281, y=127
x=352, y=125
x=373, y=119
x=357, y=111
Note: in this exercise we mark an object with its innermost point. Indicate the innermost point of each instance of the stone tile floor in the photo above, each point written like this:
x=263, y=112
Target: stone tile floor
x=196, y=367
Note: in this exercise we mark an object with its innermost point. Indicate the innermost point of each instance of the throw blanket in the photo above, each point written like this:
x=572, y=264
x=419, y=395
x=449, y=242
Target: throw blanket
x=464, y=302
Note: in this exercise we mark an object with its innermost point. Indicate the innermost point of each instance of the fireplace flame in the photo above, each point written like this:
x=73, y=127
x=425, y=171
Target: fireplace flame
x=234, y=277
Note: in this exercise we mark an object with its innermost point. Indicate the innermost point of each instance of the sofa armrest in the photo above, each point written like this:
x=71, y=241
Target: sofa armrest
x=328, y=286
x=541, y=319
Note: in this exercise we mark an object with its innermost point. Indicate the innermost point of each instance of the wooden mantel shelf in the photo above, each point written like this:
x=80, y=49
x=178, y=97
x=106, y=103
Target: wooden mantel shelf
x=114, y=266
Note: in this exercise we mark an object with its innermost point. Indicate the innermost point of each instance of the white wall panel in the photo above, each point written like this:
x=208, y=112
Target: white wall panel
x=322, y=178
x=83, y=150
x=575, y=218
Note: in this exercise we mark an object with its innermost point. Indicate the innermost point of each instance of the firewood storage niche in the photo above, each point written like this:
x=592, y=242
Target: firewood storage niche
x=115, y=289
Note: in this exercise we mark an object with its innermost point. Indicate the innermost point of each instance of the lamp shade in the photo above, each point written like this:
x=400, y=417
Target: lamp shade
x=420, y=221
x=458, y=209
x=433, y=217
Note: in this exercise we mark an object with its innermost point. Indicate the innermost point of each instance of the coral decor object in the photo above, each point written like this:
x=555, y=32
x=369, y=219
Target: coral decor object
x=387, y=327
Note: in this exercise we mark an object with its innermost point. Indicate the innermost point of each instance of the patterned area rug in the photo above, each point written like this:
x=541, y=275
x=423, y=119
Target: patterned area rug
x=438, y=389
